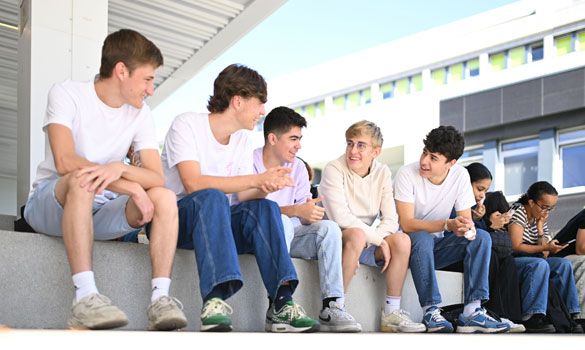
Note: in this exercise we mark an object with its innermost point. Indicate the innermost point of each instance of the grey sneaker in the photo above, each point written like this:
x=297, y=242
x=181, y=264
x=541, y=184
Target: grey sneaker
x=215, y=316
x=399, y=321
x=96, y=311
x=335, y=319
x=166, y=314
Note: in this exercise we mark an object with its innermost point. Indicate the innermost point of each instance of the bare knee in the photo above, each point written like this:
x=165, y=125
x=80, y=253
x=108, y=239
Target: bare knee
x=354, y=239
x=69, y=189
x=399, y=243
x=163, y=199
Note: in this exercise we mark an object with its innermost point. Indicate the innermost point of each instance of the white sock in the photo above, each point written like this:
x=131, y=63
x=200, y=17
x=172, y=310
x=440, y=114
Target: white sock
x=470, y=308
x=84, y=283
x=391, y=304
x=160, y=287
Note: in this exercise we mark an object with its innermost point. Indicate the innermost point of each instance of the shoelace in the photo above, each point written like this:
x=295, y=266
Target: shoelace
x=216, y=306
x=166, y=301
x=296, y=311
x=436, y=316
x=339, y=311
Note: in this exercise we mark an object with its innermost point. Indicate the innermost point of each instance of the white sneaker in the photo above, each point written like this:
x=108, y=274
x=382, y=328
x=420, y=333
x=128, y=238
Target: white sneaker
x=96, y=311
x=399, y=321
x=166, y=314
x=335, y=319
x=514, y=327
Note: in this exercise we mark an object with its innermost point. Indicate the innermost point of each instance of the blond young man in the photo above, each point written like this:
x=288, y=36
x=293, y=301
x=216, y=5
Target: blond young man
x=357, y=189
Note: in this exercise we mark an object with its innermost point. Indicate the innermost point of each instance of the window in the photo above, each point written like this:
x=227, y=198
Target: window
x=471, y=154
x=416, y=83
x=366, y=96
x=439, y=76
x=402, y=87
x=536, y=51
x=564, y=44
x=572, y=153
x=581, y=40
x=387, y=90
x=310, y=110
x=498, y=61
x=321, y=109
x=455, y=72
x=472, y=67
x=520, y=165
x=517, y=56
x=353, y=99
x=339, y=103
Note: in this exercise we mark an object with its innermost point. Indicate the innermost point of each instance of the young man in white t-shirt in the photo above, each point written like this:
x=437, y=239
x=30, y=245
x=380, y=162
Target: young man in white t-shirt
x=223, y=212
x=83, y=190
x=425, y=192
x=312, y=237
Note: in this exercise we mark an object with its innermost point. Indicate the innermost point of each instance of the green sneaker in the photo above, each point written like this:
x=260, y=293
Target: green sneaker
x=215, y=316
x=290, y=319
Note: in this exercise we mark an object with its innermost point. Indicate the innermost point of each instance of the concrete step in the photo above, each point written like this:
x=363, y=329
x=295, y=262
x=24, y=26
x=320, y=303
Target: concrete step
x=37, y=291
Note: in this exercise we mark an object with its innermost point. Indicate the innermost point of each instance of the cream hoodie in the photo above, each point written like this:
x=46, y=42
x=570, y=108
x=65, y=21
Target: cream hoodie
x=354, y=201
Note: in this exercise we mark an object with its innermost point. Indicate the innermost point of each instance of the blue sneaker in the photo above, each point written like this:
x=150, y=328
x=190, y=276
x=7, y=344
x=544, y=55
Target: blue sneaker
x=480, y=322
x=435, y=322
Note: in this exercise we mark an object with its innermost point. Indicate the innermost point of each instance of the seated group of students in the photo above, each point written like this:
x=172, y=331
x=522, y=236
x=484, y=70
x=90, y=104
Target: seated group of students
x=211, y=192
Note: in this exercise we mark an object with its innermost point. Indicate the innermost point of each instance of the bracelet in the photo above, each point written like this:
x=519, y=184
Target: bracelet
x=446, y=226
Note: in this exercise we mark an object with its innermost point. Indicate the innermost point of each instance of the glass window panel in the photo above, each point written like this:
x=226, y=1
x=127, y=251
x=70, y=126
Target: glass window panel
x=572, y=135
x=520, y=172
x=564, y=44
x=498, y=61
x=367, y=96
x=439, y=76
x=573, y=165
x=473, y=67
x=517, y=56
x=417, y=83
x=299, y=110
x=581, y=40
x=387, y=90
x=537, y=51
x=353, y=99
x=310, y=110
x=339, y=103
x=456, y=72
x=520, y=144
x=321, y=109
x=402, y=87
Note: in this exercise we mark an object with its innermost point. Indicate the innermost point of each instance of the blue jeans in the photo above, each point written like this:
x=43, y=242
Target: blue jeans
x=218, y=233
x=534, y=275
x=429, y=253
x=321, y=241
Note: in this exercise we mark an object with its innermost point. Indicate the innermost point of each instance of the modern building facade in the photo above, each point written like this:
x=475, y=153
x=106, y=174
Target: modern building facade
x=512, y=79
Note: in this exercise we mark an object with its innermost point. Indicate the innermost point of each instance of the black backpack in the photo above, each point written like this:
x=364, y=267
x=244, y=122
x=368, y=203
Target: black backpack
x=557, y=312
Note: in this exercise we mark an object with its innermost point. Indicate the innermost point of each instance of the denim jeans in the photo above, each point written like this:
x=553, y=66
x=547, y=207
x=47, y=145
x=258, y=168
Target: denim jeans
x=321, y=241
x=429, y=253
x=218, y=233
x=534, y=275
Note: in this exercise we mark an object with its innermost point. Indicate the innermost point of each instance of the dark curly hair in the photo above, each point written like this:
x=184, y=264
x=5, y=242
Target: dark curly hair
x=537, y=190
x=280, y=120
x=445, y=140
x=236, y=80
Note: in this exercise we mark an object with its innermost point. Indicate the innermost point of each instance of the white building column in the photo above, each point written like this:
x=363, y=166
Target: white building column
x=58, y=40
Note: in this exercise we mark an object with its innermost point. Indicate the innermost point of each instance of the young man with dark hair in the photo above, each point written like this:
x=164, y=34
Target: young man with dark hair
x=223, y=211
x=83, y=191
x=425, y=192
x=313, y=237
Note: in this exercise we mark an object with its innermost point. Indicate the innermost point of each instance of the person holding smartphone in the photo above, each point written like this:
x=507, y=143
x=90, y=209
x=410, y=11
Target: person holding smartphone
x=531, y=238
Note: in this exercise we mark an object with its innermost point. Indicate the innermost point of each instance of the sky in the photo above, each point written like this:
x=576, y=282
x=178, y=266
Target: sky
x=304, y=33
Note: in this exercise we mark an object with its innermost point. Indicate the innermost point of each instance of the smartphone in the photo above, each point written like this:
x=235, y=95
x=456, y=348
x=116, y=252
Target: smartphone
x=569, y=242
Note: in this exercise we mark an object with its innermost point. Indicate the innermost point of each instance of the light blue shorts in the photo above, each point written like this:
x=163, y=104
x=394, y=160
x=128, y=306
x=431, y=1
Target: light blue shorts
x=368, y=258
x=44, y=214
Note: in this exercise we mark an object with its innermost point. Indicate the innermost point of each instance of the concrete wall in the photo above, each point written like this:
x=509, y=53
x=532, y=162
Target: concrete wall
x=37, y=291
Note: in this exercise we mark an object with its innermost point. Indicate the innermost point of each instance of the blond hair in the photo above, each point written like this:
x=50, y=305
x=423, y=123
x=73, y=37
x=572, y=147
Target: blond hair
x=366, y=128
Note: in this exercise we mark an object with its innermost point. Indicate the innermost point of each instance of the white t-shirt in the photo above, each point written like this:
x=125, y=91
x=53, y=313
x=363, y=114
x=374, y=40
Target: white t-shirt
x=101, y=134
x=190, y=138
x=434, y=202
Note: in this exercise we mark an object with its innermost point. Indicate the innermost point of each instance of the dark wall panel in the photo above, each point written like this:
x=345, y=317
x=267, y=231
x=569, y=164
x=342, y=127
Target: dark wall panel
x=564, y=91
x=483, y=110
x=522, y=101
x=452, y=112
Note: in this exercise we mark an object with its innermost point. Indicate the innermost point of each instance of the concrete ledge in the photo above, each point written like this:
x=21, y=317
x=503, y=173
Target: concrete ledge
x=37, y=291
